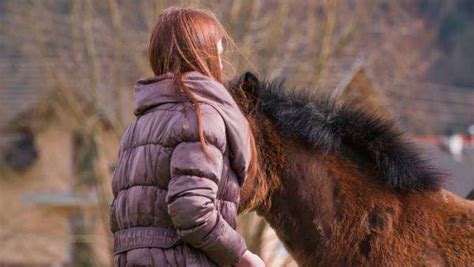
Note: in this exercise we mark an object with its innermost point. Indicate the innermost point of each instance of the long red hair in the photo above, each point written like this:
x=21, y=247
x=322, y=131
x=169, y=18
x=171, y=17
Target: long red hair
x=185, y=39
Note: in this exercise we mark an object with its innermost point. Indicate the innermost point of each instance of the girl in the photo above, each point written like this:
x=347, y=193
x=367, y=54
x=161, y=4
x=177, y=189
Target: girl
x=182, y=162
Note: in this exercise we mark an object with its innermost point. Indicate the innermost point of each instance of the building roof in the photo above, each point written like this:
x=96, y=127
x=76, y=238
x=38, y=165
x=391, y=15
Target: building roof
x=348, y=79
x=22, y=88
x=338, y=73
x=440, y=107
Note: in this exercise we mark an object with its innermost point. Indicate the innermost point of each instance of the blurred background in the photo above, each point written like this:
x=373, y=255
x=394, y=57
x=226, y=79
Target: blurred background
x=67, y=70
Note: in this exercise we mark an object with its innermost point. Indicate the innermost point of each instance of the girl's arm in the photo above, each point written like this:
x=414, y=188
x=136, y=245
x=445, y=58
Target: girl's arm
x=193, y=187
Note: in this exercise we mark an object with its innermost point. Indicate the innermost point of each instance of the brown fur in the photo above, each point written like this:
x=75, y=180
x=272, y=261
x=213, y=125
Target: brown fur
x=328, y=211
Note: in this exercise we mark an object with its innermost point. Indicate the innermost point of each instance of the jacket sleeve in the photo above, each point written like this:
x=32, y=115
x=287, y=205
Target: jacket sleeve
x=192, y=192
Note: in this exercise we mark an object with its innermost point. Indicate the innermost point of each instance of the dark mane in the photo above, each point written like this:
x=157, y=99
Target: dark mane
x=318, y=121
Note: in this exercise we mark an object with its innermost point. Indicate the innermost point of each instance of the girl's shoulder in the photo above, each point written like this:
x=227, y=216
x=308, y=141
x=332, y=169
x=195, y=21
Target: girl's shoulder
x=179, y=122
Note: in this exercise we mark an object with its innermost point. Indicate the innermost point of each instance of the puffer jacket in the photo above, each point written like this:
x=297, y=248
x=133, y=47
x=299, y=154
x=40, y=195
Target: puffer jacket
x=172, y=206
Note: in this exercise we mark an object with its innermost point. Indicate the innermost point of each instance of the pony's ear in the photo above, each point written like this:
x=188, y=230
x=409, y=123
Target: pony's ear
x=249, y=83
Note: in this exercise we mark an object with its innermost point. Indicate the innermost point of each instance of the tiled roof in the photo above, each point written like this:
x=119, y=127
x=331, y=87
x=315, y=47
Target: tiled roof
x=440, y=107
x=22, y=87
x=338, y=72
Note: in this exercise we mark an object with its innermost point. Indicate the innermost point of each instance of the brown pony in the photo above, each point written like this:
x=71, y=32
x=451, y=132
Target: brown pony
x=343, y=187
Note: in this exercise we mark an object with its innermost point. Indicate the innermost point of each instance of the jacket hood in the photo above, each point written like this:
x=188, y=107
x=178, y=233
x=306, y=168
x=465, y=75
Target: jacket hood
x=150, y=92
x=153, y=91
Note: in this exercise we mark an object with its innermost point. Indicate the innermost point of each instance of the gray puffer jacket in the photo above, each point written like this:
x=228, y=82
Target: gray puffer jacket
x=172, y=206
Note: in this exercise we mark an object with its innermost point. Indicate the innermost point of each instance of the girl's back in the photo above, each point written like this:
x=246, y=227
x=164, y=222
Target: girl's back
x=166, y=190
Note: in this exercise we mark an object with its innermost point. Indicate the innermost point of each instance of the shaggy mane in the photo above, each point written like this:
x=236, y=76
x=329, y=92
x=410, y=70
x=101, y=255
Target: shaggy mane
x=318, y=121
